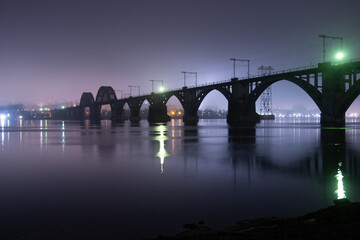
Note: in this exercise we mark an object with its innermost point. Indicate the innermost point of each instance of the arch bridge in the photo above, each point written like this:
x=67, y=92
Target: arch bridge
x=333, y=88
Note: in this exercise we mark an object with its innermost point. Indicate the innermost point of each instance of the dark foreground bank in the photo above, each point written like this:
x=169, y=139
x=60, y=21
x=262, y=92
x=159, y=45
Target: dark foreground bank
x=341, y=221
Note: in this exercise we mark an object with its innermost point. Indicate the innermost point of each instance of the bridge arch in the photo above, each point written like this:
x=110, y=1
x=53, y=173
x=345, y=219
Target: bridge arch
x=105, y=94
x=349, y=97
x=120, y=110
x=148, y=100
x=144, y=106
x=179, y=96
x=106, y=111
x=135, y=103
x=87, y=99
x=174, y=107
x=213, y=105
x=223, y=90
x=308, y=88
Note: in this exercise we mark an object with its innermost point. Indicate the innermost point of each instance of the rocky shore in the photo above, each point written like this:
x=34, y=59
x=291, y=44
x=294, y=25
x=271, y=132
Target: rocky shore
x=340, y=221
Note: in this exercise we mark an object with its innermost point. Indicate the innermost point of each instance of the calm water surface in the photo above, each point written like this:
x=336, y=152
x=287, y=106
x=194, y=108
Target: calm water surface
x=149, y=180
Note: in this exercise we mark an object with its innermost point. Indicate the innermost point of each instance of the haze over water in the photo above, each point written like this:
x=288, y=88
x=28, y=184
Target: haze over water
x=75, y=177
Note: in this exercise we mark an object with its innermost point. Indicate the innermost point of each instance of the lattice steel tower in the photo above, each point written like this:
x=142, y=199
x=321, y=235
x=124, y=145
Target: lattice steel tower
x=266, y=96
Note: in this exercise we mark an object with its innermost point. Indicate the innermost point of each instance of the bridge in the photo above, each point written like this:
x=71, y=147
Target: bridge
x=333, y=88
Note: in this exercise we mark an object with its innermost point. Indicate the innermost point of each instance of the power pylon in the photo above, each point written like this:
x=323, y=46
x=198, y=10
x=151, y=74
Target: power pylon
x=266, y=96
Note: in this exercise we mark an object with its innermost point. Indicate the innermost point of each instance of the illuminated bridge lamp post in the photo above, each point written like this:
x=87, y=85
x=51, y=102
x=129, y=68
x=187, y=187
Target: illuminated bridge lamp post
x=324, y=37
x=339, y=56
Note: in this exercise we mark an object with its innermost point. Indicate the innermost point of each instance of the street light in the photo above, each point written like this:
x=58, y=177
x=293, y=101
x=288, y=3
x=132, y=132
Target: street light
x=324, y=37
x=339, y=56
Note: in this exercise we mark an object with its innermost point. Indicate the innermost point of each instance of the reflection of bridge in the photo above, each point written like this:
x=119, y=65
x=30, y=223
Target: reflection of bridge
x=332, y=87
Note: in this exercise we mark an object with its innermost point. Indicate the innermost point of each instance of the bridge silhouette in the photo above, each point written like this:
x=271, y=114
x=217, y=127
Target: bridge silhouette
x=333, y=88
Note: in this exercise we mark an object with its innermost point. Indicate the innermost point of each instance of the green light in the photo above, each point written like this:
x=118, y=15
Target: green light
x=161, y=89
x=339, y=55
x=162, y=154
x=340, y=184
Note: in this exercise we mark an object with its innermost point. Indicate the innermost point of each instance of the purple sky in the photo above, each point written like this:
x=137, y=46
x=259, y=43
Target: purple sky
x=52, y=50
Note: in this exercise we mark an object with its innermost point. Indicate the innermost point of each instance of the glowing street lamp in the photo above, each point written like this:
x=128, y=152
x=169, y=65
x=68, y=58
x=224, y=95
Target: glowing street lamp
x=332, y=38
x=339, y=56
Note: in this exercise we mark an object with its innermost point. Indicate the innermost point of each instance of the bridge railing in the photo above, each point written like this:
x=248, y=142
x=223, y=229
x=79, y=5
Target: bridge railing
x=272, y=73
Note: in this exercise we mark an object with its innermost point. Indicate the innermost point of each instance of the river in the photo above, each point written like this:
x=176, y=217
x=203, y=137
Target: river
x=135, y=181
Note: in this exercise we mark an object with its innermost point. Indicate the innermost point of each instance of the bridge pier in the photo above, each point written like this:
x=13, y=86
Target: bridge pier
x=67, y=114
x=80, y=113
x=333, y=90
x=240, y=112
x=71, y=113
x=134, y=105
x=58, y=114
x=157, y=109
x=331, y=120
x=117, y=112
x=190, y=117
x=95, y=113
x=158, y=114
x=135, y=115
x=76, y=113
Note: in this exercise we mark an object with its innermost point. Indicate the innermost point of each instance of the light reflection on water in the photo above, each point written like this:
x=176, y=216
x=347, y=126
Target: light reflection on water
x=340, y=186
x=160, y=177
x=162, y=154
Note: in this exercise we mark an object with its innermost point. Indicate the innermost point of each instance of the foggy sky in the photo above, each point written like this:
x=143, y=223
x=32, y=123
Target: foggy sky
x=51, y=50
